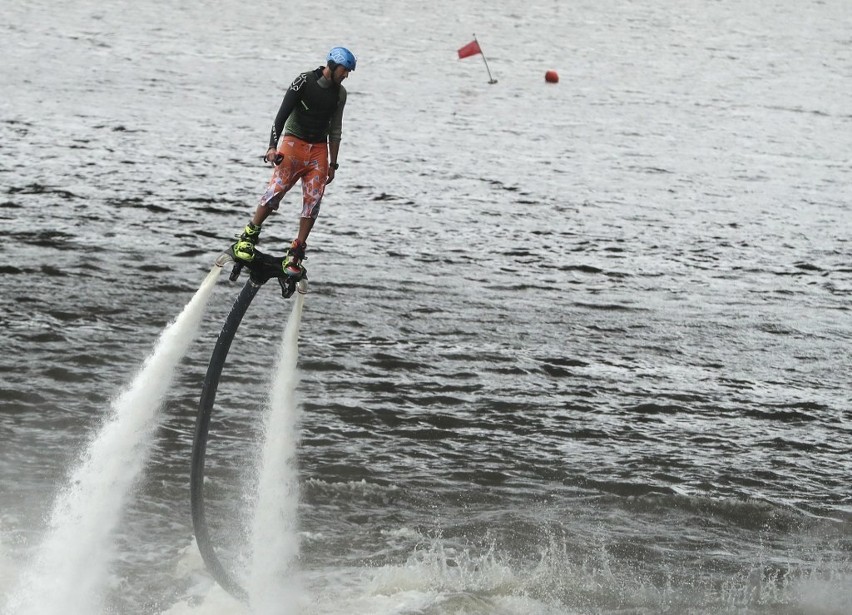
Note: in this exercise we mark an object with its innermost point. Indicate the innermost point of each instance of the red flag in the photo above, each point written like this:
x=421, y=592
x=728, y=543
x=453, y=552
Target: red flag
x=471, y=49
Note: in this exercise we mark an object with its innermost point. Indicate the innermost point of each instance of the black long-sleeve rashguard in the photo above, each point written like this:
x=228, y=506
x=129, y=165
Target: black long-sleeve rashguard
x=312, y=110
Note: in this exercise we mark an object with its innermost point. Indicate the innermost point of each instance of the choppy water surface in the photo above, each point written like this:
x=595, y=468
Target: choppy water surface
x=574, y=348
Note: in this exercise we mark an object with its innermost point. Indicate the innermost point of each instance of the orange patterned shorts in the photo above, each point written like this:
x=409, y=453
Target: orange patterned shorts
x=305, y=161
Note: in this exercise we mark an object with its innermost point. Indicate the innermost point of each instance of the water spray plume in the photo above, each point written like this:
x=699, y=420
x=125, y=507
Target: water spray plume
x=273, y=586
x=70, y=569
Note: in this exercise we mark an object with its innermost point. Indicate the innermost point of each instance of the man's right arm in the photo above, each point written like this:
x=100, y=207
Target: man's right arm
x=291, y=98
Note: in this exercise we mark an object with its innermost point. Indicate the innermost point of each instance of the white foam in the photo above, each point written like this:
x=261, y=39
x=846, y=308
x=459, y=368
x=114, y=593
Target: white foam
x=216, y=602
x=8, y=573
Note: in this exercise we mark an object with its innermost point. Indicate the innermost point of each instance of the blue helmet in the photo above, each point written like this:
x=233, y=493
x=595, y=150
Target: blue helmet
x=342, y=56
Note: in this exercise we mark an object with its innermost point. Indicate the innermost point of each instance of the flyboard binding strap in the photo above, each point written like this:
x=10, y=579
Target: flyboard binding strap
x=263, y=268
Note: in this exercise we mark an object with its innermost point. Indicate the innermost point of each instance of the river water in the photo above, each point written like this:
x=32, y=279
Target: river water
x=567, y=348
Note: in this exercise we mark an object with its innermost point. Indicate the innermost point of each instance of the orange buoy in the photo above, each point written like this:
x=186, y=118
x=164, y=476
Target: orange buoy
x=551, y=76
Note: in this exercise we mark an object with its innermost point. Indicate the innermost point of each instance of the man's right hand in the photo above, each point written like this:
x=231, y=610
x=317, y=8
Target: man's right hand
x=273, y=156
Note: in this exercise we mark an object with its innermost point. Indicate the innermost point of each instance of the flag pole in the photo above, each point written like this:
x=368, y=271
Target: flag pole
x=491, y=79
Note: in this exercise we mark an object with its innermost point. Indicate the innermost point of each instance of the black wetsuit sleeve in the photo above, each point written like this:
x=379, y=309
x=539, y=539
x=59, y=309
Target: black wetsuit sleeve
x=291, y=98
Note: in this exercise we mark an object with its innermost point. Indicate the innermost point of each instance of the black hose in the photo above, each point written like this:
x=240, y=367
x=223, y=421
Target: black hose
x=199, y=442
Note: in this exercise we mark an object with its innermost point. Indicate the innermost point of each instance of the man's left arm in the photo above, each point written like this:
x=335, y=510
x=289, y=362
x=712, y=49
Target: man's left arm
x=335, y=131
x=333, y=149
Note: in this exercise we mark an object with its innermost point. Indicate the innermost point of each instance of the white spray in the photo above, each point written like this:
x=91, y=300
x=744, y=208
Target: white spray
x=69, y=571
x=273, y=585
